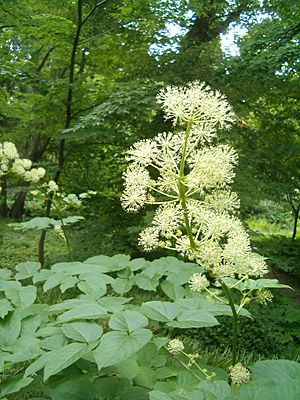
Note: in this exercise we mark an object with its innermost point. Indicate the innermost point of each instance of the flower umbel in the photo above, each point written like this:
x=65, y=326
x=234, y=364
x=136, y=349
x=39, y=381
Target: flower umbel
x=198, y=282
x=175, y=346
x=239, y=374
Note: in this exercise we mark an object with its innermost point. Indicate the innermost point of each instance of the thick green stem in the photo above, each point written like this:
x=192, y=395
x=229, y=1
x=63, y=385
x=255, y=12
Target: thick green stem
x=235, y=320
x=182, y=188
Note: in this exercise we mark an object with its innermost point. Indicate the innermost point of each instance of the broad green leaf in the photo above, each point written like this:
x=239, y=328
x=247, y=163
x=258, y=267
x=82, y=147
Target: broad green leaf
x=37, y=365
x=277, y=371
x=146, y=377
x=122, y=285
x=69, y=304
x=5, y=274
x=94, y=289
x=147, y=281
x=27, y=269
x=194, y=319
x=82, y=331
x=109, y=388
x=93, y=311
x=262, y=283
x=41, y=276
x=172, y=290
x=217, y=390
x=128, y=321
x=35, y=223
x=10, y=328
x=77, y=268
x=5, y=307
x=68, y=283
x=54, y=280
x=30, y=324
x=155, y=395
x=134, y=393
x=72, y=219
x=22, y=297
x=14, y=385
x=163, y=311
x=117, y=346
x=128, y=369
x=114, y=304
x=53, y=342
x=138, y=263
x=78, y=388
x=64, y=357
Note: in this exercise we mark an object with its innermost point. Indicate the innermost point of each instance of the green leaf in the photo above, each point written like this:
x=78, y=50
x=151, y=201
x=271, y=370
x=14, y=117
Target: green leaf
x=35, y=223
x=117, y=346
x=134, y=393
x=146, y=377
x=217, y=390
x=128, y=369
x=14, y=385
x=172, y=291
x=77, y=388
x=72, y=219
x=10, y=328
x=5, y=307
x=82, y=331
x=146, y=280
x=277, y=371
x=262, y=283
x=22, y=297
x=163, y=311
x=194, y=319
x=93, y=311
x=37, y=365
x=63, y=358
x=41, y=276
x=128, y=321
x=27, y=269
x=109, y=388
x=122, y=285
x=54, y=280
x=156, y=395
x=68, y=283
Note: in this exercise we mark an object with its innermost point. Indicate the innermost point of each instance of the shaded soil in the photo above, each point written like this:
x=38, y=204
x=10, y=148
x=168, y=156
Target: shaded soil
x=289, y=280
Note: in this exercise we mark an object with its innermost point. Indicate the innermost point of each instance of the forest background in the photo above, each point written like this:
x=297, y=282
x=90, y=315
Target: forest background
x=78, y=81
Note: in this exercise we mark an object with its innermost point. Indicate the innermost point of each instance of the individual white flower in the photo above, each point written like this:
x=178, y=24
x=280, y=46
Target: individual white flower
x=175, y=346
x=264, y=296
x=222, y=201
x=21, y=165
x=168, y=218
x=195, y=103
x=10, y=150
x=34, y=175
x=52, y=187
x=149, y=239
x=198, y=282
x=142, y=152
x=239, y=374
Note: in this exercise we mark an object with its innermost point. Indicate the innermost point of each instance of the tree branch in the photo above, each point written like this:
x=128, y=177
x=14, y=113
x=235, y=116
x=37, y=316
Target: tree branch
x=92, y=11
x=46, y=56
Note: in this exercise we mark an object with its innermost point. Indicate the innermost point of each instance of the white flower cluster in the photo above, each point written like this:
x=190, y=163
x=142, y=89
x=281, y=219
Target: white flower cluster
x=175, y=346
x=189, y=179
x=239, y=374
x=10, y=161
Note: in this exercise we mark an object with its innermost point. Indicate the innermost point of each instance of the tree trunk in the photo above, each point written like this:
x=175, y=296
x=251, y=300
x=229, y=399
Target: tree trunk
x=3, y=201
x=296, y=216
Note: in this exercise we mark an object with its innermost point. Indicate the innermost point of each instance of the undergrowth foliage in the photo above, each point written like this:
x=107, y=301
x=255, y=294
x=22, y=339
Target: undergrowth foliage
x=102, y=329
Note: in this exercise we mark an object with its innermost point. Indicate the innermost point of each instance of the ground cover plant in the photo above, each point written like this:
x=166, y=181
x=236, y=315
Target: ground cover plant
x=104, y=328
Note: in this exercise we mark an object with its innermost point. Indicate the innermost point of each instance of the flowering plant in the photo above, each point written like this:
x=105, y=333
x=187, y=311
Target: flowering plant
x=189, y=179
